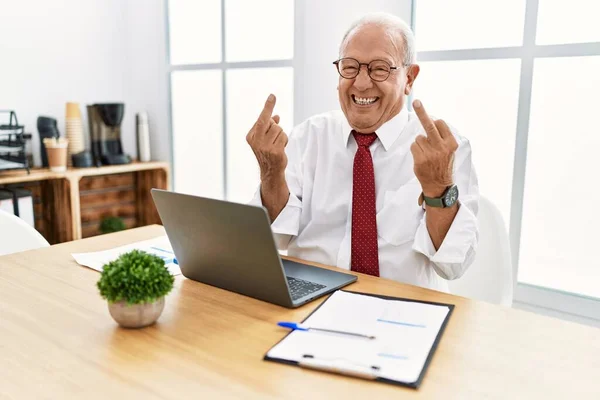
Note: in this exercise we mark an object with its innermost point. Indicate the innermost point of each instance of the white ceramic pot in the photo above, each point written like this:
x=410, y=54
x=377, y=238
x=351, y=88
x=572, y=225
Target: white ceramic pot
x=136, y=315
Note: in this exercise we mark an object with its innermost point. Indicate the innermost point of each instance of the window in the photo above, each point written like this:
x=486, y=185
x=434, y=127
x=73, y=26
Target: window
x=520, y=79
x=573, y=22
x=226, y=56
x=560, y=221
x=469, y=24
x=480, y=99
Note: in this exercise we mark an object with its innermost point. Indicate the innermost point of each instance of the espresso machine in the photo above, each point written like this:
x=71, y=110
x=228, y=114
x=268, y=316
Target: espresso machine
x=105, y=131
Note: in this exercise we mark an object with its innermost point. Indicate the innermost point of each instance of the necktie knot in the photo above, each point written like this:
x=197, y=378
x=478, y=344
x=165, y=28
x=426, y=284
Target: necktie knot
x=364, y=139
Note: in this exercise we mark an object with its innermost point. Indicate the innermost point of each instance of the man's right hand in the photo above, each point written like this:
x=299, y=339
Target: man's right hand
x=268, y=141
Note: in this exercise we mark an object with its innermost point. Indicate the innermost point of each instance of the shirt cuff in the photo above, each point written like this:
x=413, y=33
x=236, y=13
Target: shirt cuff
x=457, y=247
x=288, y=220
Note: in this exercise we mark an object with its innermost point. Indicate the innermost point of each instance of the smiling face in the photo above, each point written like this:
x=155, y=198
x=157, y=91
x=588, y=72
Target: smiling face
x=368, y=104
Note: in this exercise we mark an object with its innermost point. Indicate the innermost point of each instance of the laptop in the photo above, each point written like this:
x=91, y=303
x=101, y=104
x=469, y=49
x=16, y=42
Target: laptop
x=231, y=246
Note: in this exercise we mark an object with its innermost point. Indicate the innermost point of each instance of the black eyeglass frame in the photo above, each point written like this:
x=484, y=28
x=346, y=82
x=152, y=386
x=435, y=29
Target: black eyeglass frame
x=368, y=65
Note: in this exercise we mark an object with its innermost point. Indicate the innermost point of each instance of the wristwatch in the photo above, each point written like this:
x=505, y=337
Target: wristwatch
x=448, y=198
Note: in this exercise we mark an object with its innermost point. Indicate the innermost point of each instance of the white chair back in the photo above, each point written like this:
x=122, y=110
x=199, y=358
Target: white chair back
x=17, y=235
x=490, y=277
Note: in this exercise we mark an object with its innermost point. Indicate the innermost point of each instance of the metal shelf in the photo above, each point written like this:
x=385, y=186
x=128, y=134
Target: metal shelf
x=12, y=144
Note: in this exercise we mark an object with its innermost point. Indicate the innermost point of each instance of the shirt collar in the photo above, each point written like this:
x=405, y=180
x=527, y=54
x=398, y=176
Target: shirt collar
x=387, y=133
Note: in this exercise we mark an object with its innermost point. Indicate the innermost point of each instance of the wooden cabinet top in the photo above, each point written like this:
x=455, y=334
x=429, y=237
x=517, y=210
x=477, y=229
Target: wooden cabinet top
x=40, y=174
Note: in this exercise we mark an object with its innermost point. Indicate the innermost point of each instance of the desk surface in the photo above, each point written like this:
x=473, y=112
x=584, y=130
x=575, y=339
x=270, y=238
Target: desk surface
x=57, y=340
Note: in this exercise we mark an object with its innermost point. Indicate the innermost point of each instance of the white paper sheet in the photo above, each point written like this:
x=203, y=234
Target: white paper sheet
x=405, y=332
x=159, y=246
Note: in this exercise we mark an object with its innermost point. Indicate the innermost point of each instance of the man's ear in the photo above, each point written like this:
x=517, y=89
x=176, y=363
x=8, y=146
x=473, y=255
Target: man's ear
x=411, y=74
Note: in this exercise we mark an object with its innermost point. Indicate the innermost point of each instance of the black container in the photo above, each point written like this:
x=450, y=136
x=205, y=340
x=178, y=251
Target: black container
x=83, y=160
x=47, y=128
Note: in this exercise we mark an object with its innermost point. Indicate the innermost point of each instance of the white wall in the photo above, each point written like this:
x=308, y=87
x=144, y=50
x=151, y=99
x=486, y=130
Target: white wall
x=91, y=51
x=148, y=73
x=322, y=25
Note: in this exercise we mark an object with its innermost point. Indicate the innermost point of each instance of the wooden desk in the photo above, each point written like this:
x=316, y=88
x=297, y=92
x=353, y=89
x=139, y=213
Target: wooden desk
x=57, y=340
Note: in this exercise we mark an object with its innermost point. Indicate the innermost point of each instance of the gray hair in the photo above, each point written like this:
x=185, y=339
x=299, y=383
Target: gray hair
x=395, y=28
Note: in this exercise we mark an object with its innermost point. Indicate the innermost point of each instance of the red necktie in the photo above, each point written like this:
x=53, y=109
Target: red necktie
x=365, y=256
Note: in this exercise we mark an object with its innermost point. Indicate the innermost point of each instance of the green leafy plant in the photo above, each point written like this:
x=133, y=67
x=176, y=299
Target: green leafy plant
x=135, y=277
x=112, y=224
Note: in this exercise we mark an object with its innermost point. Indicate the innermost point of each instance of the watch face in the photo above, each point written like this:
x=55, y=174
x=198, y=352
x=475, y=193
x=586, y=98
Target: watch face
x=451, y=196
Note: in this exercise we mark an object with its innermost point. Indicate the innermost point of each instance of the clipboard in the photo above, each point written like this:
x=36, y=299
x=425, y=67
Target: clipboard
x=365, y=371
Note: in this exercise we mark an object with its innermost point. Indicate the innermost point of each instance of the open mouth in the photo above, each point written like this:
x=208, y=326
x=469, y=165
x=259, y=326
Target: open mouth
x=364, y=101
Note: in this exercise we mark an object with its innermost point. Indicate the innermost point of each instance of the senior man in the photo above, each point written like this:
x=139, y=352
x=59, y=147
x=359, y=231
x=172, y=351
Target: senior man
x=373, y=188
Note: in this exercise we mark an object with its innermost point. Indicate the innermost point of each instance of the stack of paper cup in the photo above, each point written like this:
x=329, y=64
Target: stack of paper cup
x=74, y=129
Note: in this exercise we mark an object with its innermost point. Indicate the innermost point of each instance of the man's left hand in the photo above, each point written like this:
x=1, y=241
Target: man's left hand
x=433, y=154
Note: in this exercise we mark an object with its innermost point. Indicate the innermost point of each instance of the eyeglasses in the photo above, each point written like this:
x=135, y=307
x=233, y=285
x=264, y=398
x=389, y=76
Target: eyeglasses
x=378, y=70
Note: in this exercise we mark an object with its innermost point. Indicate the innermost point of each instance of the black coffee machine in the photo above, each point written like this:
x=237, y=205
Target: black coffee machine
x=105, y=131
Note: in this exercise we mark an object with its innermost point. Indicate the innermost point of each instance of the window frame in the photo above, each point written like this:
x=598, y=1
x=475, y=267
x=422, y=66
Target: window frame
x=223, y=66
x=524, y=293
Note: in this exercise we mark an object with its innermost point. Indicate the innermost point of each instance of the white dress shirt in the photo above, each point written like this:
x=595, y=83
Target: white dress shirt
x=315, y=224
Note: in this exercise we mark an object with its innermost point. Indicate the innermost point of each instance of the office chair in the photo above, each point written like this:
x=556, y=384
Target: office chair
x=490, y=277
x=16, y=235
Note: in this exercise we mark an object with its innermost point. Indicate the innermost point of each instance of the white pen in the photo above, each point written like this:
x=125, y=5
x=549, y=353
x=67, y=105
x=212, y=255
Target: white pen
x=340, y=367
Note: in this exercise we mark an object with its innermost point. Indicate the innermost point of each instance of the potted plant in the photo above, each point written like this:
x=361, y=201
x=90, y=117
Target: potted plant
x=135, y=286
x=112, y=224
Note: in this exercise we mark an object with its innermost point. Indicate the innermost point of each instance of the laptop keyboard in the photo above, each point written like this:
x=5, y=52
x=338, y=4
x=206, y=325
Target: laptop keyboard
x=300, y=288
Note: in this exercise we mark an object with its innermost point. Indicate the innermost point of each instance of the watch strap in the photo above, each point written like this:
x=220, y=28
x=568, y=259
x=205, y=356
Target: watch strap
x=434, y=201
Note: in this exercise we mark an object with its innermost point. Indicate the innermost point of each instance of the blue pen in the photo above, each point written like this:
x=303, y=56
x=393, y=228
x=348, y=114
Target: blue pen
x=301, y=327
x=166, y=251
